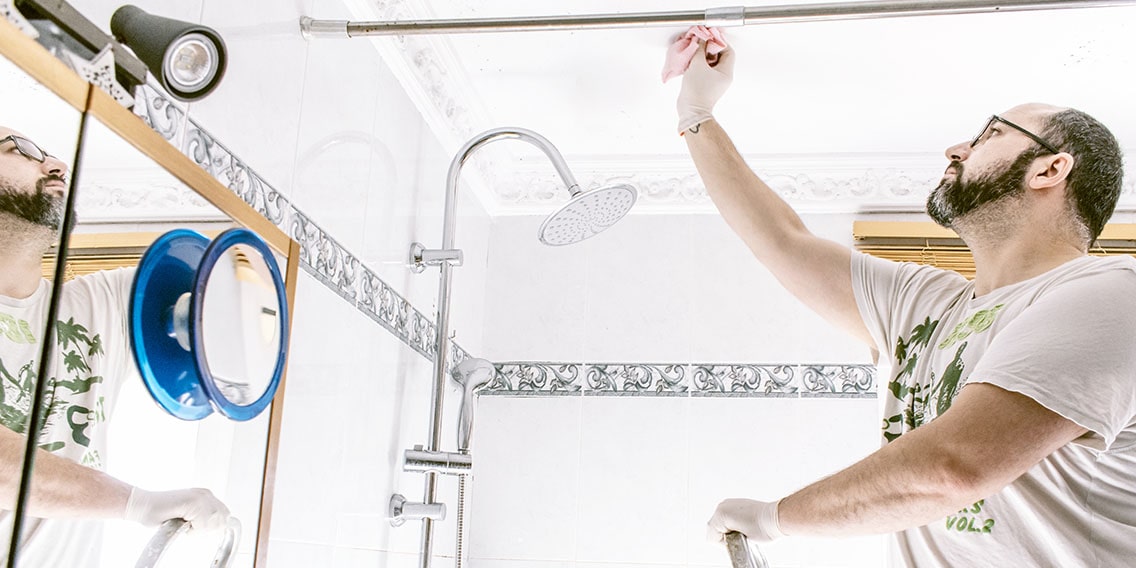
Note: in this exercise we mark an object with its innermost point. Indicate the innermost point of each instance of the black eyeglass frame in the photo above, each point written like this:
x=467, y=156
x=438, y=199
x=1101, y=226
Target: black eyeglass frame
x=995, y=118
x=20, y=141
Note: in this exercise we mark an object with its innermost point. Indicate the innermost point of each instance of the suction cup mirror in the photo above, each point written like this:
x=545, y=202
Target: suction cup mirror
x=239, y=314
x=209, y=324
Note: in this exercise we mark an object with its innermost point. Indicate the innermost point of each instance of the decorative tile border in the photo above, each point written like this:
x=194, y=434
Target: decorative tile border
x=329, y=262
x=529, y=379
x=321, y=256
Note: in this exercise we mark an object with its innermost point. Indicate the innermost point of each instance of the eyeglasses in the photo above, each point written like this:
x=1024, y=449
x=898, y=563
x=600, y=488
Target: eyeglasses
x=983, y=134
x=27, y=148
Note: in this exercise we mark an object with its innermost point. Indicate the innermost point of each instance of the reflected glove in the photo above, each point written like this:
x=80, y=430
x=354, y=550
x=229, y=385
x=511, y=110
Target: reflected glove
x=198, y=507
x=702, y=86
x=755, y=519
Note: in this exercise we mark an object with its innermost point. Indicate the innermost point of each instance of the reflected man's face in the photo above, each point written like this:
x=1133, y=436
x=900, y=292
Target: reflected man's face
x=32, y=183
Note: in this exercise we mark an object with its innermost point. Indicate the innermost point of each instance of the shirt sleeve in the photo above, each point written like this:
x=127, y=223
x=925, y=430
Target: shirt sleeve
x=888, y=293
x=1072, y=351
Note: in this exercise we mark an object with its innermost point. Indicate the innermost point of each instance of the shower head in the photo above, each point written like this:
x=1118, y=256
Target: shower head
x=587, y=214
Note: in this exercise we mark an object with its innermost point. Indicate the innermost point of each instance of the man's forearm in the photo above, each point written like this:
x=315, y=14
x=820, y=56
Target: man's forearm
x=815, y=270
x=748, y=205
x=987, y=439
x=893, y=489
x=60, y=487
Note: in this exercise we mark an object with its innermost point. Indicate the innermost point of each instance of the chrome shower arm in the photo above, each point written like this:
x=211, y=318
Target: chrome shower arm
x=483, y=139
x=733, y=16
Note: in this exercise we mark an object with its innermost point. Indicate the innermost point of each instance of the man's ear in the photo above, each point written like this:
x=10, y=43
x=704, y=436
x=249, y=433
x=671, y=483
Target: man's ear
x=1054, y=170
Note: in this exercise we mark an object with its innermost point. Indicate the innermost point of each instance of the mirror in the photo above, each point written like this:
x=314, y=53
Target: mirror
x=242, y=324
x=208, y=323
x=98, y=413
x=51, y=123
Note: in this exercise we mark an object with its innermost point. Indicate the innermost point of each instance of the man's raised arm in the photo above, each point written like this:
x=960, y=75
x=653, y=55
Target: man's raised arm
x=817, y=271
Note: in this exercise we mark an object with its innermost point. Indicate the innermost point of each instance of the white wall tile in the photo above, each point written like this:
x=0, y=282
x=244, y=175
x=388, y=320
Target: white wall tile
x=525, y=488
x=291, y=554
x=255, y=111
x=633, y=480
x=740, y=447
x=638, y=305
x=535, y=294
x=339, y=158
x=498, y=563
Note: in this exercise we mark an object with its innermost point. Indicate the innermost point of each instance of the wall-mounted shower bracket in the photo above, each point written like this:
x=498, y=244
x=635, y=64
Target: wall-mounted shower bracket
x=421, y=257
x=446, y=463
x=402, y=510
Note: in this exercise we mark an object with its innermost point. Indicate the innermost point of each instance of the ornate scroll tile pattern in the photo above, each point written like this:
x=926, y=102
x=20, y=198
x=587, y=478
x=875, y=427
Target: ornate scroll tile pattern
x=518, y=378
x=745, y=380
x=631, y=378
x=160, y=113
x=334, y=266
x=838, y=380
x=320, y=254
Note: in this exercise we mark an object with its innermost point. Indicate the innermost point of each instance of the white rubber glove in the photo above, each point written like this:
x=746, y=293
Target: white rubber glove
x=702, y=86
x=198, y=507
x=755, y=519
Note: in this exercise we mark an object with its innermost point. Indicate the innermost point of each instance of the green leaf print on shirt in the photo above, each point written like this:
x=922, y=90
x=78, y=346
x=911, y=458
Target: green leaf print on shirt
x=903, y=387
x=950, y=384
x=977, y=323
x=78, y=351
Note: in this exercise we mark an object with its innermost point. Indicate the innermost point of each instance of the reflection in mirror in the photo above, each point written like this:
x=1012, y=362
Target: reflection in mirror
x=242, y=324
x=97, y=415
x=39, y=132
x=125, y=198
x=208, y=323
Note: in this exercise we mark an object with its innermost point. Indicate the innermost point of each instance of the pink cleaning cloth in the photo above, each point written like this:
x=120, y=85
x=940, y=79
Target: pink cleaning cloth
x=682, y=51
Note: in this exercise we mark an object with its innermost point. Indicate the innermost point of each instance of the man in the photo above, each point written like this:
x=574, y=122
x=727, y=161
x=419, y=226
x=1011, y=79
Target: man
x=1009, y=415
x=69, y=496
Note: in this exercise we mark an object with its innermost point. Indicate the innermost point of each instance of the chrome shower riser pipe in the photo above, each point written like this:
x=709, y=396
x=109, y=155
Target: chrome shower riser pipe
x=442, y=339
x=720, y=17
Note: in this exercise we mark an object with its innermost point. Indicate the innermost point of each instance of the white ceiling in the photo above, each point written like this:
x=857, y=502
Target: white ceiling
x=849, y=115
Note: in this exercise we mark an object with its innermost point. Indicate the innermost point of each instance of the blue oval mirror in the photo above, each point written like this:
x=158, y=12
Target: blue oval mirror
x=239, y=324
x=162, y=282
x=209, y=324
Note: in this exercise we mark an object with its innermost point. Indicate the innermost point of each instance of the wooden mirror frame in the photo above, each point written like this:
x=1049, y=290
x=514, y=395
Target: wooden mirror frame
x=37, y=62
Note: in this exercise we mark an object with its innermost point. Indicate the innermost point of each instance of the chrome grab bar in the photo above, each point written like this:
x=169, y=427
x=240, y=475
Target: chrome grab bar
x=742, y=555
x=172, y=528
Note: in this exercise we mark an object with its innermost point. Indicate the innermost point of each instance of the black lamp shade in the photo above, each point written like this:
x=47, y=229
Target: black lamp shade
x=159, y=42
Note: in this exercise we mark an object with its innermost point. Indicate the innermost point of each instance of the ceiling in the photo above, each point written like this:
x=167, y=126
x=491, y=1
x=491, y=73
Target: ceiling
x=837, y=116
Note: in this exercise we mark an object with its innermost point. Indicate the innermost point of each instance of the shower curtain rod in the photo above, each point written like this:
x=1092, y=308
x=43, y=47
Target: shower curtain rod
x=720, y=17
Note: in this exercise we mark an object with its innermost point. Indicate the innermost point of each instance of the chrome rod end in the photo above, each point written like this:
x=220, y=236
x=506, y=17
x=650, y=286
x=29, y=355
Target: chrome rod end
x=311, y=28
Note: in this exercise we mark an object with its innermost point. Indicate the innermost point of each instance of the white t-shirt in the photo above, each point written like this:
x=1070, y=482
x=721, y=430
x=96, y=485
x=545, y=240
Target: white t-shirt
x=91, y=362
x=1066, y=339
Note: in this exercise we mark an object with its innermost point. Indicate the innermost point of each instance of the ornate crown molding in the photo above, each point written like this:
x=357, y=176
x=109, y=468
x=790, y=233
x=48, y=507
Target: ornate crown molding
x=431, y=73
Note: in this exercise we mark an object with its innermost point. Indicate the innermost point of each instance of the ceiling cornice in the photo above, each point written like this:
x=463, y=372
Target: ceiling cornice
x=432, y=76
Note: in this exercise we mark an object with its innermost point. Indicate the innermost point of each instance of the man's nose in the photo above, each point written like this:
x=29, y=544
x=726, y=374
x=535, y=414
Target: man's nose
x=959, y=152
x=54, y=166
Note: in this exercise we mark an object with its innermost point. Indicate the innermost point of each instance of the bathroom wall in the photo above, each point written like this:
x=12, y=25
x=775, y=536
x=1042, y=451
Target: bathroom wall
x=322, y=139
x=612, y=473
x=671, y=371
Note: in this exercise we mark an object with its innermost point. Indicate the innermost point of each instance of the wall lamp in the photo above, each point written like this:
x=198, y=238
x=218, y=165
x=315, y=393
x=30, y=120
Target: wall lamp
x=187, y=59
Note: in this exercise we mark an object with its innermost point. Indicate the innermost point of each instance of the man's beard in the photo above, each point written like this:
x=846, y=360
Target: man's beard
x=955, y=198
x=39, y=208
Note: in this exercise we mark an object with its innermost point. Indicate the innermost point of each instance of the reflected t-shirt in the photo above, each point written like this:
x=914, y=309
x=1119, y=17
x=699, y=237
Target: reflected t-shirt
x=1063, y=338
x=91, y=361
